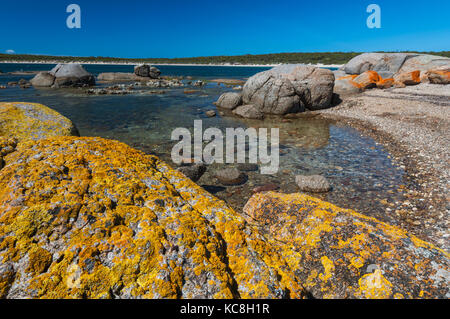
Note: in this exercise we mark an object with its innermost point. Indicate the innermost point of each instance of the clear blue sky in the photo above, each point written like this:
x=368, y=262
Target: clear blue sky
x=172, y=28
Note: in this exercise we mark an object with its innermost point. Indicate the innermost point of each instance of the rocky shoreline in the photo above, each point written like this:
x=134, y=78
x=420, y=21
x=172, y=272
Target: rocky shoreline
x=414, y=128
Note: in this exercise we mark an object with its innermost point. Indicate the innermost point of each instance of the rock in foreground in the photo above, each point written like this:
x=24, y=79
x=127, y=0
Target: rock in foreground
x=23, y=120
x=93, y=218
x=339, y=253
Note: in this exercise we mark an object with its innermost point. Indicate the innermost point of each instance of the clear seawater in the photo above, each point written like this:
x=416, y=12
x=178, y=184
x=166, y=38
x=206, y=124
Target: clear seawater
x=361, y=171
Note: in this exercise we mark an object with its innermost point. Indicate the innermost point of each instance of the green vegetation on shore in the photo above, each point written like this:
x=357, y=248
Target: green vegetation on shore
x=314, y=58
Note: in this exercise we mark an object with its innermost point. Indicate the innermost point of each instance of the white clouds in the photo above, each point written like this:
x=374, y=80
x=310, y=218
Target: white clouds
x=10, y=51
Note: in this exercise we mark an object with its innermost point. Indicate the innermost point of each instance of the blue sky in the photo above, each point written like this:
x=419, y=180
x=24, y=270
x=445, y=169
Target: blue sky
x=172, y=28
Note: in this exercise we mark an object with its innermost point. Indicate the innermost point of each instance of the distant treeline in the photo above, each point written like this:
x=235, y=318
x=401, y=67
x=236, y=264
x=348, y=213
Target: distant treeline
x=314, y=58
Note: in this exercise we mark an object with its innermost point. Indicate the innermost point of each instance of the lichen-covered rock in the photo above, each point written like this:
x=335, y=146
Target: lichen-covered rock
x=385, y=83
x=289, y=88
x=367, y=80
x=389, y=64
x=438, y=76
x=338, y=253
x=408, y=78
x=346, y=85
x=93, y=218
x=424, y=62
x=23, y=120
x=229, y=100
x=385, y=64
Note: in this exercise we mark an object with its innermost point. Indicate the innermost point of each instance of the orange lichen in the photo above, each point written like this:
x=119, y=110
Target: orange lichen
x=23, y=120
x=94, y=218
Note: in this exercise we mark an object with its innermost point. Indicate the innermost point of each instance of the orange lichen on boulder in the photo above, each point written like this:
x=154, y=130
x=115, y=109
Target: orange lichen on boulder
x=338, y=253
x=408, y=78
x=438, y=76
x=23, y=120
x=93, y=218
x=367, y=79
x=385, y=83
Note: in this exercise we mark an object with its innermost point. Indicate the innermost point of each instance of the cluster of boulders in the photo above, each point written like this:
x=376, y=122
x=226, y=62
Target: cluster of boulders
x=64, y=75
x=290, y=88
x=164, y=83
x=22, y=83
x=385, y=70
x=142, y=73
x=119, y=89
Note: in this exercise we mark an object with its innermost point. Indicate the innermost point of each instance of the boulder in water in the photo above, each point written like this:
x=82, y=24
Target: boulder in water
x=289, y=88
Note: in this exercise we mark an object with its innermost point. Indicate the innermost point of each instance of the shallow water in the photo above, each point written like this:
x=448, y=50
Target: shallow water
x=360, y=171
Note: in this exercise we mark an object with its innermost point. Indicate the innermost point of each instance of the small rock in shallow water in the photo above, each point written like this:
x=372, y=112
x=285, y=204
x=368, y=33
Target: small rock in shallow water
x=266, y=188
x=210, y=113
x=248, y=167
x=193, y=172
x=231, y=176
x=313, y=183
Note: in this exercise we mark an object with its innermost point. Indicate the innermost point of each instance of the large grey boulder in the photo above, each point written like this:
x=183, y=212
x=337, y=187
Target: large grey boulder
x=229, y=100
x=289, y=88
x=43, y=79
x=71, y=75
x=389, y=64
x=64, y=75
x=424, y=62
x=385, y=64
x=147, y=71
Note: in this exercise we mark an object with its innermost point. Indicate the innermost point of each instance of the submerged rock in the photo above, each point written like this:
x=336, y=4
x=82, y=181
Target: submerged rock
x=231, y=176
x=193, y=172
x=312, y=183
x=210, y=113
x=289, y=88
x=338, y=253
x=23, y=120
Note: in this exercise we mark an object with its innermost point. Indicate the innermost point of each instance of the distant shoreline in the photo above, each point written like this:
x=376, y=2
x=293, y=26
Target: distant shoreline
x=176, y=64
